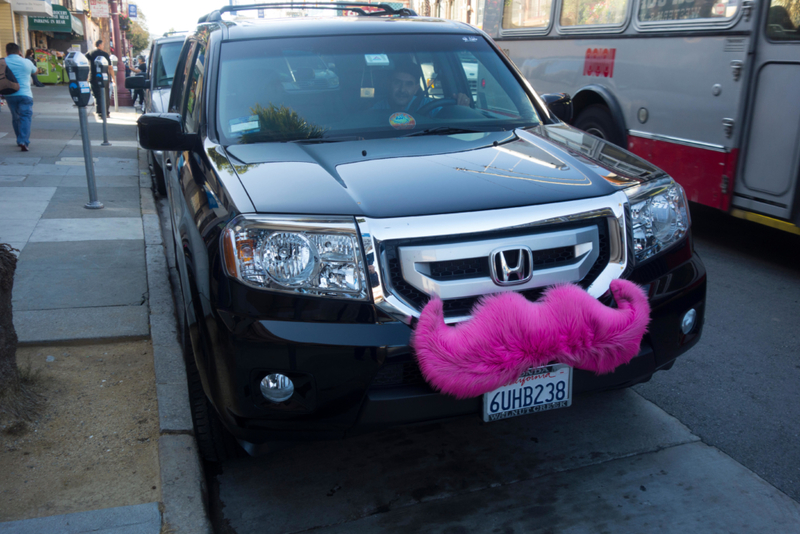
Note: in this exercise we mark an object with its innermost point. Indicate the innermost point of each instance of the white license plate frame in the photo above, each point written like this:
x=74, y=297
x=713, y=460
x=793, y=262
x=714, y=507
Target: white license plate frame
x=543, y=383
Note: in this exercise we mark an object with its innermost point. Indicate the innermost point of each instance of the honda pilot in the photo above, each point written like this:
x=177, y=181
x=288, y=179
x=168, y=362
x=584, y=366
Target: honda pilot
x=332, y=177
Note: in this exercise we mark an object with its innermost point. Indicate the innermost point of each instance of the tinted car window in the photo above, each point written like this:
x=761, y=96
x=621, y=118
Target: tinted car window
x=194, y=95
x=166, y=62
x=342, y=87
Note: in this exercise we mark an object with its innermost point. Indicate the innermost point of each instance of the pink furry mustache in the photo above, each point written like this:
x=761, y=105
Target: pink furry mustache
x=508, y=334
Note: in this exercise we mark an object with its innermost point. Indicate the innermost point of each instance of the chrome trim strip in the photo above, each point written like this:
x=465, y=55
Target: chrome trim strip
x=375, y=231
x=678, y=141
x=414, y=262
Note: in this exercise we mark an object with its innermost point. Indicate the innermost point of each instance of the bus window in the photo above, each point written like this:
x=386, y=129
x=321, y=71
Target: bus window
x=489, y=94
x=470, y=65
x=783, y=21
x=659, y=10
x=593, y=12
x=526, y=14
x=433, y=85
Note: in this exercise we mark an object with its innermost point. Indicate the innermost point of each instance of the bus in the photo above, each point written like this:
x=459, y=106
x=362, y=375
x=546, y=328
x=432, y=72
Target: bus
x=708, y=90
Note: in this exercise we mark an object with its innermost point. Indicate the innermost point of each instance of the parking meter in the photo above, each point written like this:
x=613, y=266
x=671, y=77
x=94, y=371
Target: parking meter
x=101, y=71
x=78, y=71
x=78, y=68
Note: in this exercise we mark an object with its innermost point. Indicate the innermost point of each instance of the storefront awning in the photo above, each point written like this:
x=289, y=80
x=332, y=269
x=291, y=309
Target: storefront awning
x=34, y=8
x=62, y=21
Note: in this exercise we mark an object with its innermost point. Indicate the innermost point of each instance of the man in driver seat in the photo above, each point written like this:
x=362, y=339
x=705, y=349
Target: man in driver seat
x=404, y=91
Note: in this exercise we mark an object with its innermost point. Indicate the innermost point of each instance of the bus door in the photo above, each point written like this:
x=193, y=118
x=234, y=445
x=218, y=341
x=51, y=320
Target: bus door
x=770, y=157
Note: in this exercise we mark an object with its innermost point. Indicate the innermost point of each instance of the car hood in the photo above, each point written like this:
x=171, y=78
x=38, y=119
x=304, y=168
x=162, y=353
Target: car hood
x=434, y=174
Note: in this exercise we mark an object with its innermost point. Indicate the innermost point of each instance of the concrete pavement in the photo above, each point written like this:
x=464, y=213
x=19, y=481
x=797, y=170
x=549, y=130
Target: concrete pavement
x=97, y=275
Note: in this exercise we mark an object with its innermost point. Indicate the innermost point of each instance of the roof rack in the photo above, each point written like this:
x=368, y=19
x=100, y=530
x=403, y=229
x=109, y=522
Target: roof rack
x=386, y=9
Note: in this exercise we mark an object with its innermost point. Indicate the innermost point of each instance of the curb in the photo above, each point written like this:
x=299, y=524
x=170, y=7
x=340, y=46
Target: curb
x=183, y=487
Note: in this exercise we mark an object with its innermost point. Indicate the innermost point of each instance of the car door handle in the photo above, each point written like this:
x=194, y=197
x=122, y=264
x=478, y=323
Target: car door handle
x=168, y=165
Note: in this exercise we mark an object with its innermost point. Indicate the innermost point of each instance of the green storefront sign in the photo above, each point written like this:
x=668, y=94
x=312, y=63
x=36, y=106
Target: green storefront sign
x=61, y=22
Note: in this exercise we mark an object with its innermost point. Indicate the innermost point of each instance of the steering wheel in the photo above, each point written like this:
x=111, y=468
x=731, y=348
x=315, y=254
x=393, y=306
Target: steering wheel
x=430, y=106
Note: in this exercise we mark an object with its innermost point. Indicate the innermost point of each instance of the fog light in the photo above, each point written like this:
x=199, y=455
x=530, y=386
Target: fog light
x=687, y=324
x=276, y=387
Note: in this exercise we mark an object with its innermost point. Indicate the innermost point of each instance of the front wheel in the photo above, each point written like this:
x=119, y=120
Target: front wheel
x=159, y=181
x=214, y=441
x=597, y=120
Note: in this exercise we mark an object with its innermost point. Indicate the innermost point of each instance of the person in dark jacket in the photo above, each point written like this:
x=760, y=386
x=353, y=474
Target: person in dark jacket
x=94, y=54
x=139, y=70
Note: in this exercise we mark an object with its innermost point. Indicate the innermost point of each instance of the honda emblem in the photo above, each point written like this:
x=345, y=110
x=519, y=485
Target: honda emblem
x=511, y=266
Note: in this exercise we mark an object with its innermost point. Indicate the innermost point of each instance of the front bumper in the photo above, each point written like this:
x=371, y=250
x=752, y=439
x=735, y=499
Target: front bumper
x=353, y=373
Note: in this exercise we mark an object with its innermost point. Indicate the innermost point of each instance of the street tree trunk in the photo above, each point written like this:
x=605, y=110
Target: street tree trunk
x=16, y=399
x=9, y=374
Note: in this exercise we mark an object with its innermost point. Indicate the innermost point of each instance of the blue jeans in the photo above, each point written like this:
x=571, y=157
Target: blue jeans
x=21, y=113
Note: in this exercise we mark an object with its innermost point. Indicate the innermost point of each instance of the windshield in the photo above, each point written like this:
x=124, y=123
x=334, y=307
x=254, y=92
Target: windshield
x=166, y=63
x=345, y=87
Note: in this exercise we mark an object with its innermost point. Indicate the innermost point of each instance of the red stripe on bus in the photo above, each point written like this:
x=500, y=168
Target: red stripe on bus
x=706, y=175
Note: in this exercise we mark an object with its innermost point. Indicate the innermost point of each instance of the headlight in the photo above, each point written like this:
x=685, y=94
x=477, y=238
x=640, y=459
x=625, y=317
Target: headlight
x=308, y=255
x=659, y=216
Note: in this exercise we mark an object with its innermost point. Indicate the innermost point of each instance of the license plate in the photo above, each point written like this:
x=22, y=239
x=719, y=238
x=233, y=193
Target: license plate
x=537, y=390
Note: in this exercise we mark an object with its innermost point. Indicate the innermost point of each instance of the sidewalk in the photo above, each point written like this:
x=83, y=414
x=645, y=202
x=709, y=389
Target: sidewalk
x=93, y=276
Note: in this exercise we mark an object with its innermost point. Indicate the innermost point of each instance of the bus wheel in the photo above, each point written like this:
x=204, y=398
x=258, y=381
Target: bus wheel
x=596, y=120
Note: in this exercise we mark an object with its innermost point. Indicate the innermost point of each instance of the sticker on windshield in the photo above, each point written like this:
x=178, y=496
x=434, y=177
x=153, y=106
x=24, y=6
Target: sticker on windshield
x=376, y=60
x=402, y=121
x=244, y=124
x=470, y=39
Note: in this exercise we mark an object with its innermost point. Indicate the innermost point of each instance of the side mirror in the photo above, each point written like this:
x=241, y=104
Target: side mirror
x=136, y=82
x=164, y=131
x=560, y=105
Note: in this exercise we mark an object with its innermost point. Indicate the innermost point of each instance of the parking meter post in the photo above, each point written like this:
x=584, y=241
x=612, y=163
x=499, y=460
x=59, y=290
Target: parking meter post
x=93, y=204
x=105, y=119
x=101, y=78
x=77, y=67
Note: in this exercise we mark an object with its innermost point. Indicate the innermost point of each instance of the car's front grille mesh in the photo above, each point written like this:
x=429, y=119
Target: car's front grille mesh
x=479, y=267
x=473, y=267
x=399, y=374
x=460, y=269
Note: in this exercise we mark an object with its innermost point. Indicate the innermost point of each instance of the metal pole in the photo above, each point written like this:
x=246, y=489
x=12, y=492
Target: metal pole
x=116, y=99
x=105, y=117
x=93, y=204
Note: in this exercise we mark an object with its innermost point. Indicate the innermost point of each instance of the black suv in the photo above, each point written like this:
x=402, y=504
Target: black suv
x=328, y=175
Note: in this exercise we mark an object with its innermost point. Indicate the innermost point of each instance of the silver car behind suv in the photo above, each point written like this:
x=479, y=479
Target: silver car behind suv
x=157, y=85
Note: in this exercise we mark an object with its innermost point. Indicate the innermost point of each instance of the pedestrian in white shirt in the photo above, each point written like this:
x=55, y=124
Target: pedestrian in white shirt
x=21, y=102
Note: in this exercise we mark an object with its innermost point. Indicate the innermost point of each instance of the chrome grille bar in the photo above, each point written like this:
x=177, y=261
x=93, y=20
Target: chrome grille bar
x=375, y=232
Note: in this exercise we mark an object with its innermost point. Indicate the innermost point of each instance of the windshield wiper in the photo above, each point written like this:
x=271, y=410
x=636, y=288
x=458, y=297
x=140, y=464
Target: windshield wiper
x=443, y=130
x=315, y=140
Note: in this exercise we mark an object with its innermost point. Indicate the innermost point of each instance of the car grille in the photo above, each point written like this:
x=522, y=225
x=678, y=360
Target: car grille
x=468, y=268
x=399, y=374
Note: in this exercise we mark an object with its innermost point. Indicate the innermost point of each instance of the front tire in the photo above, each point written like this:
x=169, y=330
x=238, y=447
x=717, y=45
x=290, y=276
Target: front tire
x=214, y=441
x=597, y=120
x=159, y=182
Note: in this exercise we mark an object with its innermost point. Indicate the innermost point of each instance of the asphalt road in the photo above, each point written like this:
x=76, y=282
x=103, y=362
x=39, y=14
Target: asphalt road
x=613, y=462
x=738, y=388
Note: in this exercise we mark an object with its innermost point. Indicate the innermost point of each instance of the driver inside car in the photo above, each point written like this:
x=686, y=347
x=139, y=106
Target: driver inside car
x=404, y=92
